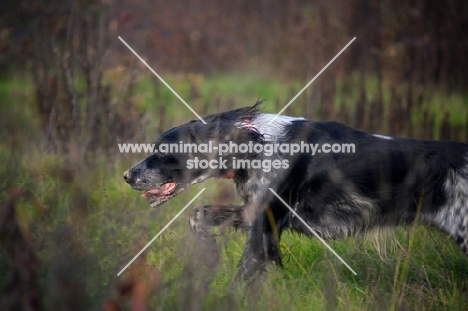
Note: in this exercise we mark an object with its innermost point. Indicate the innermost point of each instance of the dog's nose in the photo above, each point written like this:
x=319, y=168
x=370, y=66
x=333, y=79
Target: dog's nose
x=126, y=176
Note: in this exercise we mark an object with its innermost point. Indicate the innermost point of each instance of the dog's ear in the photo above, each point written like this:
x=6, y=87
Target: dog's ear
x=252, y=129
x=246, y=124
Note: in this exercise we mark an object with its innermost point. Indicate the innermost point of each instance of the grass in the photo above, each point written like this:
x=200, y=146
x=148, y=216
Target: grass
x=84, y=224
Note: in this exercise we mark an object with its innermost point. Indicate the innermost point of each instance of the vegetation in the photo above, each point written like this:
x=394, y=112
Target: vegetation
x=67, y=228
x=70, y=92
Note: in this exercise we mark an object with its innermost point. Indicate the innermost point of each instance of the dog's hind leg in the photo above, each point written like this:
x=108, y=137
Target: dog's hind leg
x=203, y=219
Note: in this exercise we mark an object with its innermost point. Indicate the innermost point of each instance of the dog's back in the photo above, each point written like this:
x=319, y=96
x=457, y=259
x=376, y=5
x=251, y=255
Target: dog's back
x=386, y=181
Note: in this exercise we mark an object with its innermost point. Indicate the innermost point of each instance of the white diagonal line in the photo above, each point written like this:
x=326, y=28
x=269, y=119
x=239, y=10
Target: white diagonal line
x=162, y=230
x=313, y=232
x=313, y=79
x=162, y=80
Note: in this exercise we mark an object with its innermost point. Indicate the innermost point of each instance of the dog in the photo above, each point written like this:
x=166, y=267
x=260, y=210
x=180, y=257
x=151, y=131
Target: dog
x=386, y=181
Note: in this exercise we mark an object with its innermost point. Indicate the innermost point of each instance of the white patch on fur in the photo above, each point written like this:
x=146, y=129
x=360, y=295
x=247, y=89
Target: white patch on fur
x=382, y=136
x=454, y=215
x=273, y=131
x=257, y=188
x=383, y=239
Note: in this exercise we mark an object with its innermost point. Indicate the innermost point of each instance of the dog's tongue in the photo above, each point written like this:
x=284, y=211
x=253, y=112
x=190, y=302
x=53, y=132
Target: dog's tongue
x=161, y=191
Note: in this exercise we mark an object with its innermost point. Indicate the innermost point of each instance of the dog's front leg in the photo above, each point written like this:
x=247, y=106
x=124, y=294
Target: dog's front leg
x=255, y=257
x=203, y=219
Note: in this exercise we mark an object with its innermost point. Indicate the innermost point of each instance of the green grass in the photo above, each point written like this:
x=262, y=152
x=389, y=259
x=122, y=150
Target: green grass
x=85, y=224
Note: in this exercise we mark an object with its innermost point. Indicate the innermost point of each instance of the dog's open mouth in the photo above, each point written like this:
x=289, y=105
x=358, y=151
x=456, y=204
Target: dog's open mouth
x=160, y=194
x=166, y=191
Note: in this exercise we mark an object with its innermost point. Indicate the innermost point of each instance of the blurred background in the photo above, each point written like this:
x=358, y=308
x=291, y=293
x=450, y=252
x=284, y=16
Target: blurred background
x=70, y=91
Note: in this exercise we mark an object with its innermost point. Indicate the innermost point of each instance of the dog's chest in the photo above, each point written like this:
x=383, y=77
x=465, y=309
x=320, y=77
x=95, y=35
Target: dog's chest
x=255, y=188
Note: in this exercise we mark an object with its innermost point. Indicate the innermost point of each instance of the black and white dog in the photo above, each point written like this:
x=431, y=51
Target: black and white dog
x=384, y=181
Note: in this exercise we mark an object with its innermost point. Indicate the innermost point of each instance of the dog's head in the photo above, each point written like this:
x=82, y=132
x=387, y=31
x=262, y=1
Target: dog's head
x=171, y=168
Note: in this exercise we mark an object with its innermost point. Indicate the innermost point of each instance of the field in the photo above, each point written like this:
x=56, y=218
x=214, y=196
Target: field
x=69, y=225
